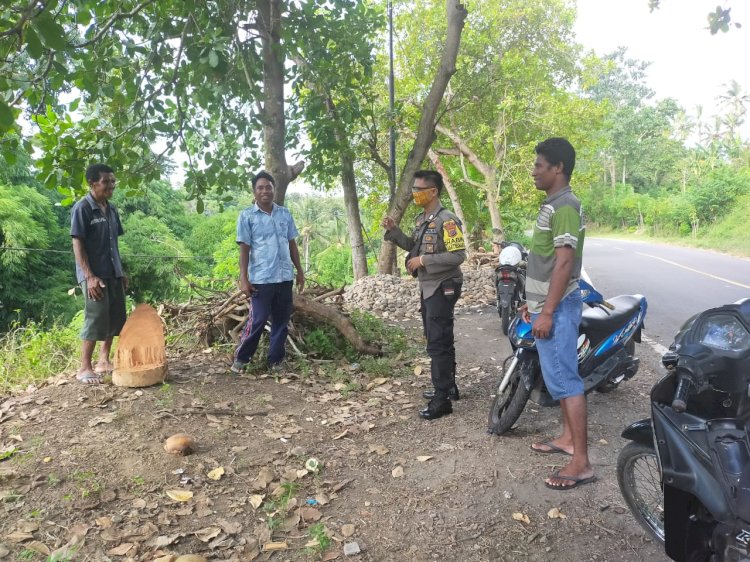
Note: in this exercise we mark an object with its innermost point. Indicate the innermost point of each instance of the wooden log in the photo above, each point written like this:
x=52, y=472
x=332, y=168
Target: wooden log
x=339, y=291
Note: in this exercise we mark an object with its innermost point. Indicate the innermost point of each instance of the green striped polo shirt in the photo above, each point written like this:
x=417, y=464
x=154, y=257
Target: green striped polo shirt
x=560, y=223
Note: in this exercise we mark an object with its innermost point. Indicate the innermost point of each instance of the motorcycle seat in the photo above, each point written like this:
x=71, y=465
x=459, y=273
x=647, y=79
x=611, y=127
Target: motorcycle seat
x=600, y=319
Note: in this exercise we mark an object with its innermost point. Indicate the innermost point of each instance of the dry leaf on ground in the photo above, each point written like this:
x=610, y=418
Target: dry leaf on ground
x=555, y=513
x=180, y=495
x=207, y=533
x=379, y=450
x=522, y=517
x=256, y=500
x=216, y=473
x=121, y=550
x=272, y=546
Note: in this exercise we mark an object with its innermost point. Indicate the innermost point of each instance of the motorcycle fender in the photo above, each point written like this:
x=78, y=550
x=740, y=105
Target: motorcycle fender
x=637, y=335
x=531, y=373
x=686, y=470
x=641, y=432
x=505, y=292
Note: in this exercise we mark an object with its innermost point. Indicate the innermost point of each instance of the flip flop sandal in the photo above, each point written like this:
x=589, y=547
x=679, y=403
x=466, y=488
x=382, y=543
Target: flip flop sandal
x=103, y=369
x=576, y=481
x=553, y=449
x=89, y=377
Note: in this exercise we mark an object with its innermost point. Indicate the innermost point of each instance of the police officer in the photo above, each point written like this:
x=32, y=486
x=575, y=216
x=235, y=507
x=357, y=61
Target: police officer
x=436, y=251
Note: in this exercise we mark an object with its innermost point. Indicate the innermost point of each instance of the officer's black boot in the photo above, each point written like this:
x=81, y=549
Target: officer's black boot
x=453, y=393
x=436, y=408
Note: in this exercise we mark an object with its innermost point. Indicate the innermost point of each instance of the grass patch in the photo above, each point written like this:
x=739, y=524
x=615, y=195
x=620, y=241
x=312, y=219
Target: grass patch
x=276, y=507
x=30, y=354
x=319, y=533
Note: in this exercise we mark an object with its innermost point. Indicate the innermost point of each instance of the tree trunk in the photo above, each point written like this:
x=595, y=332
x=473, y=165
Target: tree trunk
x=488, y=172
x=272, y=116
x=455, y=201
x=456, y=14
x=494, y=208
x=353, y=218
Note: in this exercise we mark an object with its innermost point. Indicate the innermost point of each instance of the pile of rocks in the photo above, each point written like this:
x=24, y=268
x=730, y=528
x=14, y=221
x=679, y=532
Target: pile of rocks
x=397, y=298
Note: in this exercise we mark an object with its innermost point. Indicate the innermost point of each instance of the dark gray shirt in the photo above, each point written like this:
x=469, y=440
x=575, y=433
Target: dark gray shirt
x=442, y=248
x=99, y=231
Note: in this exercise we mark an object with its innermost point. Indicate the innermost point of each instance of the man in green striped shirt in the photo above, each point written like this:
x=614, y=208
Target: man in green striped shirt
x=554, y=306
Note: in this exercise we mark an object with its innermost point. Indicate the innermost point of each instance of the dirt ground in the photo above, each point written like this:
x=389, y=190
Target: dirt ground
x=84, y=476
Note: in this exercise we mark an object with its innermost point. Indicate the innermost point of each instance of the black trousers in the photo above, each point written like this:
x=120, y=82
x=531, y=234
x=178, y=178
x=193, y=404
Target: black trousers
x=437, y=320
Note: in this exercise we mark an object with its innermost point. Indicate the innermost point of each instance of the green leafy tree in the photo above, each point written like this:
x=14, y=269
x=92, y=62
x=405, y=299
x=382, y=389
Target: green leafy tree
x=132, y=82
x=34, y=282
x=147, y=242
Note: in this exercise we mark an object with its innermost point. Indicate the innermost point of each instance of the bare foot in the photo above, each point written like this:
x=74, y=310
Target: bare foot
x=103, y=367
x=568, y=478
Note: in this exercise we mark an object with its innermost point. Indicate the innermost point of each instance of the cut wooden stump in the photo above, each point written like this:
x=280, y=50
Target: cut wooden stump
x=141, y=358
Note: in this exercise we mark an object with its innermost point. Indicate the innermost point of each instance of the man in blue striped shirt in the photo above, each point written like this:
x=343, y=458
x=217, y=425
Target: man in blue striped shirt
x=266, y=235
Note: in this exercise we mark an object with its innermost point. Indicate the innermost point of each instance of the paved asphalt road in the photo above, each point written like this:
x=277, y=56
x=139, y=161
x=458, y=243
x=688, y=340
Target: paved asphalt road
x=677, y=282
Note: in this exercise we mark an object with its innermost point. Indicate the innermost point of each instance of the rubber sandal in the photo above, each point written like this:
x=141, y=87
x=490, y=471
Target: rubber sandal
x=553, y=449
x=89, y=377
x=575, y=481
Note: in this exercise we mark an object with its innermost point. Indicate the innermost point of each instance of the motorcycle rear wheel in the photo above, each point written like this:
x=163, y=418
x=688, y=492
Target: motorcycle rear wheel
x=640, y=484
x=507, y=407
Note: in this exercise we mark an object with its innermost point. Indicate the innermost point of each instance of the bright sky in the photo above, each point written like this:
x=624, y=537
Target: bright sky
x=688, y=63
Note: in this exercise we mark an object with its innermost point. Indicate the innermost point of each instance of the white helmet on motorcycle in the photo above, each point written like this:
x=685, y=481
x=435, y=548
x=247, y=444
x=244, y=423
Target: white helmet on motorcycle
x=510, y=255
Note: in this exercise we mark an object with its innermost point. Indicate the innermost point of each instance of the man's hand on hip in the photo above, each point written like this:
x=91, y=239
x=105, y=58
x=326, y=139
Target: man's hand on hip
x=94, y=287
x=414, y=264
x=247, y=287
x=542, y=326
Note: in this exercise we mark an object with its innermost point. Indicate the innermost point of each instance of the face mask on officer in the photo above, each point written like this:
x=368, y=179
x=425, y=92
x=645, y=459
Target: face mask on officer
x=422, y=196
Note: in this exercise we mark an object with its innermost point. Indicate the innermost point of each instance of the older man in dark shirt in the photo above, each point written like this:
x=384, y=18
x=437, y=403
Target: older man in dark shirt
x=95, y=227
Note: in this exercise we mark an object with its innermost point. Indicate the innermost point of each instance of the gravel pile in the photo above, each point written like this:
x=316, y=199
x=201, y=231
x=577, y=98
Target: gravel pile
x=388, y=296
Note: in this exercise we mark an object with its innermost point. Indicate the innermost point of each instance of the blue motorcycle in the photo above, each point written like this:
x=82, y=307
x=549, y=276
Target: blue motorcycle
x=606, y=355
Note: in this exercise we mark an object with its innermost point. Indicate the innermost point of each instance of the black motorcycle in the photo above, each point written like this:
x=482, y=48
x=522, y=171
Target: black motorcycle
x=510, y=282
x=686, y=473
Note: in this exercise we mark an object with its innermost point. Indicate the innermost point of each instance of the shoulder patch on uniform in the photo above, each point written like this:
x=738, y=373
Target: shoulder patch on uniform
x=452, y=236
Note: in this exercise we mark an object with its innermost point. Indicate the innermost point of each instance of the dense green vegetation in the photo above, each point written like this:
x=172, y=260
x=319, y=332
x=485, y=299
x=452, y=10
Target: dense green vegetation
x=206, y=84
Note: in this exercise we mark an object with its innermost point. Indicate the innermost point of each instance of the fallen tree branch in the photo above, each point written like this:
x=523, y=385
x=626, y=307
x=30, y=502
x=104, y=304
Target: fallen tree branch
x=317, y=311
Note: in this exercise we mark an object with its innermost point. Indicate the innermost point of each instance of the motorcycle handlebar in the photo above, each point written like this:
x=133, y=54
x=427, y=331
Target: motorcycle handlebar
x=679, y=403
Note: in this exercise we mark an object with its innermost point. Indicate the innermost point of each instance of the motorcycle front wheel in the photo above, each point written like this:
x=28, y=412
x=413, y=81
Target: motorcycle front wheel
x=640, y=484
x=507, y=406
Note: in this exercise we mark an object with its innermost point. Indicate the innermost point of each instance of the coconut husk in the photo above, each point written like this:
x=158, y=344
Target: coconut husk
x=141, y=358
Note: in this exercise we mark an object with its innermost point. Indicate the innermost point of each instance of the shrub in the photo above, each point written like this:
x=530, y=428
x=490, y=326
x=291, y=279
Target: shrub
x=31, y=353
